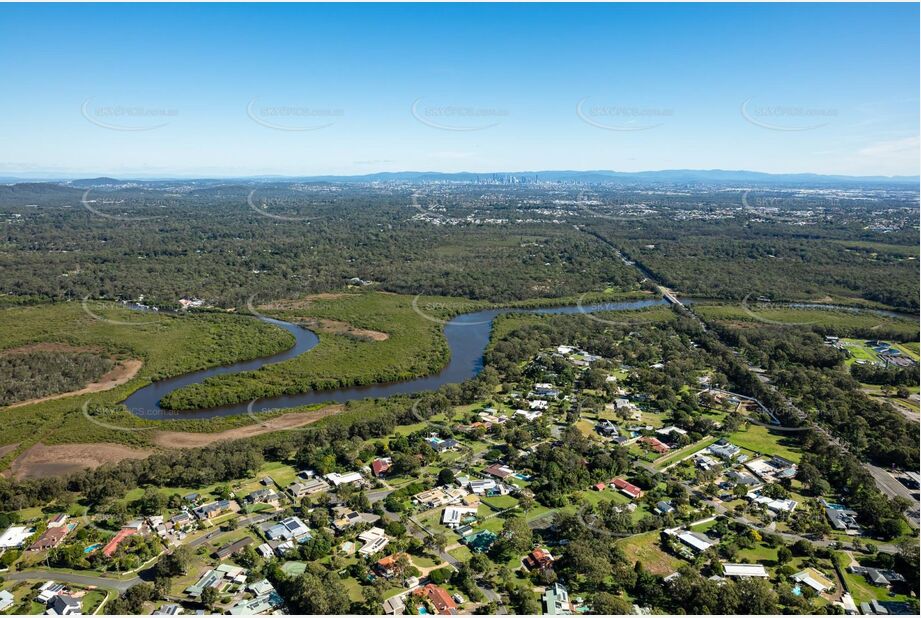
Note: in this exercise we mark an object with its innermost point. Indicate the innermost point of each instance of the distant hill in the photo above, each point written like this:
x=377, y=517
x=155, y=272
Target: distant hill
x=681, y=176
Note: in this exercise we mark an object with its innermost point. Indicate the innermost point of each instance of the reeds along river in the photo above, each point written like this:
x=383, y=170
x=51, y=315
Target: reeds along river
x=467, y=335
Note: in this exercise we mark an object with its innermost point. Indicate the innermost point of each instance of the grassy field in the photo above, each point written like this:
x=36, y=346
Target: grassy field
x=859, y=351
x=839, y=321
x=680, y=454
x=645, y=548
x=166, y=344
x=760, y=439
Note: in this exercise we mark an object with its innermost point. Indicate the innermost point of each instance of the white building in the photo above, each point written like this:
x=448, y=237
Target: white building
x=454, y=516
x=744, y=570
x=375, y=541
x=343, y=479
x=15, y=536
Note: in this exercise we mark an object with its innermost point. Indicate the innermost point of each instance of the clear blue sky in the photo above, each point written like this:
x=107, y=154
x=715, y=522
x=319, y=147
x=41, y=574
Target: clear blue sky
x=777, y=88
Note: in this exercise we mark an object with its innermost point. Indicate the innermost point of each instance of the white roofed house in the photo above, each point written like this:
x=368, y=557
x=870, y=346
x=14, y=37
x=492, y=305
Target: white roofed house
x=344, y=479
x=695, y=540
x=455, y=516
x=375, y=541
x=744, y=570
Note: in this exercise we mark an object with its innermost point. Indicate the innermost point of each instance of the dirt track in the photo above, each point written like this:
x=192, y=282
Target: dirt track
x=185, y=439
x=116, y=376
x=40, y=461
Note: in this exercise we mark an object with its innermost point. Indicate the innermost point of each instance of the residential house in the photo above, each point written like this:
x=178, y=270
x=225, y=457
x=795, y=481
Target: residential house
x=260, y=605
x=607, y=428
x=455, y=516
x=744, y=570
x=50, y=538
x=58, y=520
x=348, y=478
x=499, y=471
x=529, y=416
x=664, y=507
x=545, y=389
x=626, y=488
x=843, y=519
x=64, y=605
x=395, y=606
x=15, y=536
x=771, y=469
x=878, y=577
x=300, y=489
x=375, y=541
x=539, y=558
x=772, y=504
x=724, y=450
x=740, y=478
x=130, y=529
x=389, y=565
x=814, y=580
x=439, y=598
x=439, y=496
x=6, y=600
x=380, y=466
x=218, y=578
x=556, y=601
x=48, y=591
x=213, y=509
x=655, y=444
x=288, y=529
x=671, y=431
x=263, y=496
x=697, y=541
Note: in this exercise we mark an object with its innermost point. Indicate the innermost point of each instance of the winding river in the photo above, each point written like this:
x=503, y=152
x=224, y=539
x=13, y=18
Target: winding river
x=467, y=335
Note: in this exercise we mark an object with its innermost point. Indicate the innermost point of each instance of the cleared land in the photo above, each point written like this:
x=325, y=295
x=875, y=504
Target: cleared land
x=185, y=439
x=42, y=460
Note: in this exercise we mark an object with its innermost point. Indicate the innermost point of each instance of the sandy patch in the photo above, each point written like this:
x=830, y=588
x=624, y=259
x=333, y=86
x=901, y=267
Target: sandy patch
x=41, y=461
x=118, y=375
x=185, y=439
x=335, y=327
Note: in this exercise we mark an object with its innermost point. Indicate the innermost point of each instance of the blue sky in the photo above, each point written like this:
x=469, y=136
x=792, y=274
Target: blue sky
x=216, y=90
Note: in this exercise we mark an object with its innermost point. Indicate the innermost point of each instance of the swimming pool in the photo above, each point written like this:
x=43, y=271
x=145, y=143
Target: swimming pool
x=92, y=548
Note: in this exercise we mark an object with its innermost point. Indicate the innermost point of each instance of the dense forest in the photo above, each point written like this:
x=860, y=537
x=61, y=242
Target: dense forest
x=229, y=241
x=31, y=374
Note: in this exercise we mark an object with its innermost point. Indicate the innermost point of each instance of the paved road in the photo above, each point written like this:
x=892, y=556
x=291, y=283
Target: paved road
x=890, y=486
x=73, y=578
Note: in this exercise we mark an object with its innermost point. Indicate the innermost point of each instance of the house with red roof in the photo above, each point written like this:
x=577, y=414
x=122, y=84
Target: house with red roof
x=655, y=444
x=540, y=558
x=439, y=598
x=629, y=489
x=381, y=466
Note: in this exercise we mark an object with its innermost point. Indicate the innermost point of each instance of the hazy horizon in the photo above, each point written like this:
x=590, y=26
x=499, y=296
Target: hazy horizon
x=310, y=90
